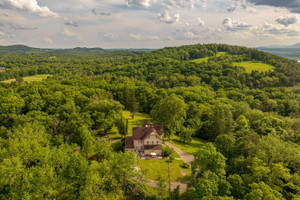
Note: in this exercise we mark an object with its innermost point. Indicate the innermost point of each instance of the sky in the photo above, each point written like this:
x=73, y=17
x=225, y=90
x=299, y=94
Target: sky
x=148, y=23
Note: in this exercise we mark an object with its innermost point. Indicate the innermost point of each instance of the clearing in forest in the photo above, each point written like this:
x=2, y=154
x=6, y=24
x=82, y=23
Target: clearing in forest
x=138, y=117
x=205, y=60
x=38, y=77
x=254, y=66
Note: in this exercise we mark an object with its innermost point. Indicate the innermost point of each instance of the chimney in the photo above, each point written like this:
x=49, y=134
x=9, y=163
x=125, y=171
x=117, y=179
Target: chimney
x=151, y=125
x=139, y=124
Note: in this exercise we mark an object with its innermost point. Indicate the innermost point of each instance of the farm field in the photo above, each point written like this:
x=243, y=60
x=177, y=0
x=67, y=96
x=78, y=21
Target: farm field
x=38, y=77
x=254, y=66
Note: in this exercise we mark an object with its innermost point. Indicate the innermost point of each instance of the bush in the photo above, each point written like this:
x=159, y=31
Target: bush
x=118, y=146
x=167, y=150
x=185, y=165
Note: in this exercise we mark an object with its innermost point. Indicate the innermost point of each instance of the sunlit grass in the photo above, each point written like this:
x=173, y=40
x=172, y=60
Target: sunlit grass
x=38, y=77
x=254, y=66
x=155, y=167
x=191, y=147
x=205, y=60
x=138, y=117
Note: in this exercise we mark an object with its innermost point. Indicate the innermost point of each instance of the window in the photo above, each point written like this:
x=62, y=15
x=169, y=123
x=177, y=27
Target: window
x=141, y=147
x=152, y=142
x=147, y=142
x=157, y=142
x=136, y=148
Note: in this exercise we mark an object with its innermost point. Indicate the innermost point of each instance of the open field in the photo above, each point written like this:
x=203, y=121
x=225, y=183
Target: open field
x=155, y=167
x=190, y=148
x=204, y=60
x=252, y=66
x=38, y=77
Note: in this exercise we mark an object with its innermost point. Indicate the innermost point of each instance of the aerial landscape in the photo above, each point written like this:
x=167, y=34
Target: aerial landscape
x=148, y=99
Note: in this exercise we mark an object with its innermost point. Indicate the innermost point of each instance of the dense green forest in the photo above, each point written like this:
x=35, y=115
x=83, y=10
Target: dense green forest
x=50, y=131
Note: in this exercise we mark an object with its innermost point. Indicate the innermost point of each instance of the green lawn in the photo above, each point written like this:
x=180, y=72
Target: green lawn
x=204, y=60
x=190, y=148
x=38, y=77
x=250, y=66
x=200, y=60
x=153, y=168
x=138, y=117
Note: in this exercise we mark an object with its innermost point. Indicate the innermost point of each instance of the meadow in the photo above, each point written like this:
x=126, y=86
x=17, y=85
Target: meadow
x=254, y=66
x=34, y=78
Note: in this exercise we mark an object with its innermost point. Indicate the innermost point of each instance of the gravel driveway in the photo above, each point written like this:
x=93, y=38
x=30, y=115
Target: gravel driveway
x=185, y=156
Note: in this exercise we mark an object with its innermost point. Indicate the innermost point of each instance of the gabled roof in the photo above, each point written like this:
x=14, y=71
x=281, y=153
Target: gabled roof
x=129, y=142
x=139, y=133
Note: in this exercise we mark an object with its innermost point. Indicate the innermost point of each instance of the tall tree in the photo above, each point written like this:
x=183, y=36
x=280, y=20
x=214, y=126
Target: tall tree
x=171, y=112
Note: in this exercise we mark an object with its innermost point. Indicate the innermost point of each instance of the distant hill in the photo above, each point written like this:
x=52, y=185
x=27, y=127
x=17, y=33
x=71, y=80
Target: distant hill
x=23, y=49
x=291, y=52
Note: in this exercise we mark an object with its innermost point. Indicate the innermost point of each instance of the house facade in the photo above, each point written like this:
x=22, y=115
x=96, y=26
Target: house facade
x=146, y=139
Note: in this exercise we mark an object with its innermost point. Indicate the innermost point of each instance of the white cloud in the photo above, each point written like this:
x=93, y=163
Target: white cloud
x=143, y=37
x=172, y=4
x=48, y=40
x=166, y=18
x=279, y=30
x=190, y=35
x=67, y=32
x=139, y=3
x=234, y=25
x=287, y=20
x=200, y=22
x=231, y=8
x=30, y=6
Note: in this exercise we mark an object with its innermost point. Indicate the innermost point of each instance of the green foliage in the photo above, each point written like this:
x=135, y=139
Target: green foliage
x=207, y=158
x=166, y=150
x=51, y=130
x=171, y=112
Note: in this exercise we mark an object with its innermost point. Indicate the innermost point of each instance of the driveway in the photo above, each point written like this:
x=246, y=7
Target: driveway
x=185, y=156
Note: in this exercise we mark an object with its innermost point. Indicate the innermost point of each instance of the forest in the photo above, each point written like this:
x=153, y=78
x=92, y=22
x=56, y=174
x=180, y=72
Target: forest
x=51, y=131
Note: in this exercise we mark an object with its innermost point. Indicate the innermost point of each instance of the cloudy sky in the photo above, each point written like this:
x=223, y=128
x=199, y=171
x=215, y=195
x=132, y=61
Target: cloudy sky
x=148, y=23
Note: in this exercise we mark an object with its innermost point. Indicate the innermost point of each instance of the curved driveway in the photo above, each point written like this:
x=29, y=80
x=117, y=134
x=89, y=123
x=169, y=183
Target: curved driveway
x=185, y=156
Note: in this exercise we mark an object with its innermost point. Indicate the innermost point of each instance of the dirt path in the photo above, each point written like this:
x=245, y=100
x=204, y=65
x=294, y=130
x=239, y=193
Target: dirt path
x=185, y=156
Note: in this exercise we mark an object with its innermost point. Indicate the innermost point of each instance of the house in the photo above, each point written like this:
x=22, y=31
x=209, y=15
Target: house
x=2, y=69
x=146, y=139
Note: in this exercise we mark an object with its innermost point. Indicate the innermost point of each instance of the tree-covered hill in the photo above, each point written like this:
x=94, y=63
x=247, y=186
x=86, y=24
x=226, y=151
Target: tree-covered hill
x=50, y=131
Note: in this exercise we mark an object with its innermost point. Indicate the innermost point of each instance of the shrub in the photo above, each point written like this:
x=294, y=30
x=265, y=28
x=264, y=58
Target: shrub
x=185, y=165
x=167, y=150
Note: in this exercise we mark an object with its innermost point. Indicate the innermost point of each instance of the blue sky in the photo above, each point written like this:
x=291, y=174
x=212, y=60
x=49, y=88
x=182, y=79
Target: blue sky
x=148, y=23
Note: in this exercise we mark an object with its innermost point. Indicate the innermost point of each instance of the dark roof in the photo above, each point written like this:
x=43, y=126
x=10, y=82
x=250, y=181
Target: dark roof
x=139, y=133
x=153, y=147
x=129, y=142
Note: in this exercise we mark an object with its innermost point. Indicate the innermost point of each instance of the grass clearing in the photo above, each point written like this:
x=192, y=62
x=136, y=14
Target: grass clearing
x=154, y=167
x=254, y=66
x=138, y=117
x=190, y=148
x=38, y=77
x=205, y=60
